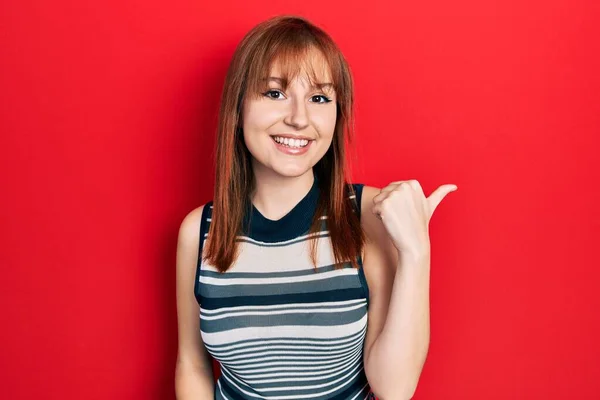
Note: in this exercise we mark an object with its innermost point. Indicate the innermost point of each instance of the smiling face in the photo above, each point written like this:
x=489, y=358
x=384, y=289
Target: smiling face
x=289, y=126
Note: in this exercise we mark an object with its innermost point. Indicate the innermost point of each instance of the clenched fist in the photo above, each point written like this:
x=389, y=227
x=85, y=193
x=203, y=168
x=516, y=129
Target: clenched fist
x=406, y=212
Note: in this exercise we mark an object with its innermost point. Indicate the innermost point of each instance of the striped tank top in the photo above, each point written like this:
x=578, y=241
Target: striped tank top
x=279, y=328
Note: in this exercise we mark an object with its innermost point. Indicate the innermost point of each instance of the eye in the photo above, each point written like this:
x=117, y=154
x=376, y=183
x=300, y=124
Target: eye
x=273, y=94
x=321, y=99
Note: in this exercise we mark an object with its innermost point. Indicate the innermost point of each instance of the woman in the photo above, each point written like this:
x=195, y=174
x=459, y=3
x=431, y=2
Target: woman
x=309, y=287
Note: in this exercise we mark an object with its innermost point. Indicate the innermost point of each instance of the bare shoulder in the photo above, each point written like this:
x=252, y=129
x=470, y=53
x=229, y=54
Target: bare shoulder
x=189, y=230
x=188, y=241
x=191, y=352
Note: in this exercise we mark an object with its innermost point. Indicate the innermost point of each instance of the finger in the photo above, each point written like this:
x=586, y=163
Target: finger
x=381, y=196
x=398, y=182
x=384, y=193
x=438, y=195
x=413, y=183
x=377, y=210
x=379, y=204
x=394, y=185
x=391, y=186
x=416, y=187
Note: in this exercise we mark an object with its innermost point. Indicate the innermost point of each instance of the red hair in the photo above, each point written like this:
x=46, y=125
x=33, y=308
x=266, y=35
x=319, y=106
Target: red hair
x=287, y=40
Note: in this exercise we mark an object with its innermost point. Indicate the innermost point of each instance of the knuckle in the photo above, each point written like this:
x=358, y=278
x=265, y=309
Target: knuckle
x=386, y=204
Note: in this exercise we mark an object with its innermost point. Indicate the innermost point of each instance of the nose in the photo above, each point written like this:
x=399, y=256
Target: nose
x=297, y=115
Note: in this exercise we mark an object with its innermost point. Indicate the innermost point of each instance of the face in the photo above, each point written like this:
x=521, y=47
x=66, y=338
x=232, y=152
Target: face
x=289, y=131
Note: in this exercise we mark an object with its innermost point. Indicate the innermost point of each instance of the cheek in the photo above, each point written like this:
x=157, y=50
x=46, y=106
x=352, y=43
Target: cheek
x=258, y=116
x=256, y=121
x=324, y=120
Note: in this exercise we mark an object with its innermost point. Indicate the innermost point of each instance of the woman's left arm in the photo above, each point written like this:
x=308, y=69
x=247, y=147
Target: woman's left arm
x=396, y=263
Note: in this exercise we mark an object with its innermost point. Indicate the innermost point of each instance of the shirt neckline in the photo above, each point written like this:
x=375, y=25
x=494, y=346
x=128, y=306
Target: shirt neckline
x=293, y=224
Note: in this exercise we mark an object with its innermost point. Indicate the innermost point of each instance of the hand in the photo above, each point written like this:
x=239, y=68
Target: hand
x=406, y=212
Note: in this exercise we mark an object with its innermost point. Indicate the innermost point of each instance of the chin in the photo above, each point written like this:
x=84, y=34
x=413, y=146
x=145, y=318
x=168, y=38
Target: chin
x=291, y=171
x=285, y=166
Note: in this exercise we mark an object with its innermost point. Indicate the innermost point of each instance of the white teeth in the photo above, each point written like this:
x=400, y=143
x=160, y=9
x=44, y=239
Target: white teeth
x=291, y=142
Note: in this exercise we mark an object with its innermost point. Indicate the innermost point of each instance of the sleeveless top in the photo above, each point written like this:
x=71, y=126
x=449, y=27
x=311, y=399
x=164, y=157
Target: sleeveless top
x=279, y=328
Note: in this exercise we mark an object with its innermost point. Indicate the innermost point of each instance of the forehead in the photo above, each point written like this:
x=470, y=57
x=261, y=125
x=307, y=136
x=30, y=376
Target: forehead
x=310, y=65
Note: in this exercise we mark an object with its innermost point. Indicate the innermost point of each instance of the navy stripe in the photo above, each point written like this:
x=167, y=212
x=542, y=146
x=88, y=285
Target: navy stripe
x=280, y=274
x=210, y=303
x=203, y=229
x=280, y=244
x=275, y=289
x=298, y=319
x=230, y=391
x=354, y=388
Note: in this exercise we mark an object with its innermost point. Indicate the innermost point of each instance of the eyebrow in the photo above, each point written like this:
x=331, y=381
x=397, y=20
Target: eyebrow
x=283, y=82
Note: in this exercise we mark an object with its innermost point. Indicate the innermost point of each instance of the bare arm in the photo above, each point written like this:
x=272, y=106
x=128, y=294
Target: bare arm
x=193, y=372
x=397, y=339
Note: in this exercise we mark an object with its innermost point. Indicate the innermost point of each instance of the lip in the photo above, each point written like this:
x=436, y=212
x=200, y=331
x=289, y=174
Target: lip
x=292, y=136
x=290, y=150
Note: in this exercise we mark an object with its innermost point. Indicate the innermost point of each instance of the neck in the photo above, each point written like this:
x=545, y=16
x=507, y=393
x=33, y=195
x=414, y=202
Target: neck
x=275, y=195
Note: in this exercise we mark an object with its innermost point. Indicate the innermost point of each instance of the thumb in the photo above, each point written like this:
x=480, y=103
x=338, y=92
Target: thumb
x=438, y=195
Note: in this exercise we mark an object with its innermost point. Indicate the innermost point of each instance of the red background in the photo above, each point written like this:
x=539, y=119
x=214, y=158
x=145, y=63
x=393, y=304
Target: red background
x=108, y=117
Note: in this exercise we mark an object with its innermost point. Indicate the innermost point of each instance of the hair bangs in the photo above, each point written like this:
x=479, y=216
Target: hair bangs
x=296, y=57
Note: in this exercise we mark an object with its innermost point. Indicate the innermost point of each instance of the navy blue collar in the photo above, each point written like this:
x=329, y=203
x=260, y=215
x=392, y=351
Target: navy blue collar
x=295, y=223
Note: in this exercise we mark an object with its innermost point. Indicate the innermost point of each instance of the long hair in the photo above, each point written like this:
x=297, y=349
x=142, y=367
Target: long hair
x=286, y=40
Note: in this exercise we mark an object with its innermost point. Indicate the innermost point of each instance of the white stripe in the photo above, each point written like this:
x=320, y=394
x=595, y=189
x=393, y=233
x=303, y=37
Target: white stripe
x=292, y=340
x=286, y=331
x=246, y=369
x=257, y=365
x=282, y=360
x=333, y=372
x=265, y=369
x=306, y=349
x=357, y=394
x=294, y=256
x=298, y=238
x=349, y=350
x=221, y=390
x=278, y=306
x=342, y=378
x=271, y=351
x=277, y=280
x=307, y=396
x=281, y=312
x=264, y=372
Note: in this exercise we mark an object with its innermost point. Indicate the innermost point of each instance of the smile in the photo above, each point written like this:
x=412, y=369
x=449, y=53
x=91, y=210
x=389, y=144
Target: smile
x=292, y=143
x=290, y=146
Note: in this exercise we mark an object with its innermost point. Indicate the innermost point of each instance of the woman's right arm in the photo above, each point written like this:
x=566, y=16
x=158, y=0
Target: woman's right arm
x=193, y=372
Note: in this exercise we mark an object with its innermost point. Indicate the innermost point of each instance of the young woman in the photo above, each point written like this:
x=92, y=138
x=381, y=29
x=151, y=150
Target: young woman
x=301, y=285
